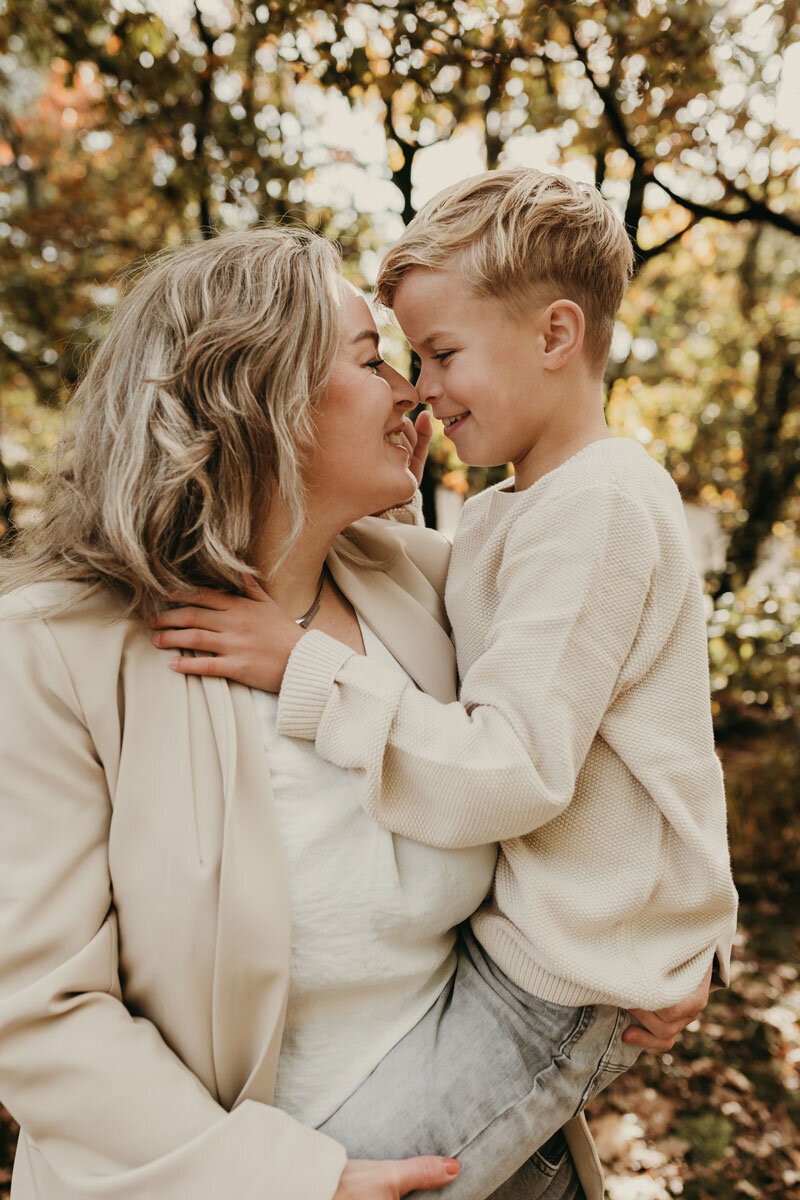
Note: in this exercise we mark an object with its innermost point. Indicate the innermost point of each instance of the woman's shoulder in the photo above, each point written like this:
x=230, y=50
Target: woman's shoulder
x=58, y=598
x=385, y=542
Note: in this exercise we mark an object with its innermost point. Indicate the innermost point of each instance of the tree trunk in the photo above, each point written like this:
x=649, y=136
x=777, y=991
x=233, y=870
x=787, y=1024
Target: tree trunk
x=771, y=473
x=203, y=128
x=401, y=178
x=8, y=528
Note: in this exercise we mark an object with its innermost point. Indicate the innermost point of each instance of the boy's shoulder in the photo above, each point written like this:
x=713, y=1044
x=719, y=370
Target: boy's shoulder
x=611, y=464
x=613, y=480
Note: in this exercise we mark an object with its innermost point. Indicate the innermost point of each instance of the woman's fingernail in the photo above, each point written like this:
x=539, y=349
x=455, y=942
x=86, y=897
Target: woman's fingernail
x=451, y=1167
x=173, y=662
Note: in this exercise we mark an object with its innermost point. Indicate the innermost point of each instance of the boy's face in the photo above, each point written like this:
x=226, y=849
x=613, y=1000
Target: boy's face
x=479, y=365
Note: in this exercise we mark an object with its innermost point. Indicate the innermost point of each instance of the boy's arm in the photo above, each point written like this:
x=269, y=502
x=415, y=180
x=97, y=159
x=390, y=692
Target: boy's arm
x=504, y=760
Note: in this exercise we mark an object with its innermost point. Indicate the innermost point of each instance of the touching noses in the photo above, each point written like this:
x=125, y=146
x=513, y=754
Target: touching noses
x=404, y=394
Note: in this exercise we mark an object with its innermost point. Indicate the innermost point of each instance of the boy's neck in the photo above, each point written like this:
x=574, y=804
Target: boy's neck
x=580, y=421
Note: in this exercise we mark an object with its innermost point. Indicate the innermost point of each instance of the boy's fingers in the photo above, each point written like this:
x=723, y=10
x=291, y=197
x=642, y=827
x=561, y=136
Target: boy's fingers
x=187, y=618
x=188, y=639
x=205, y=597
x=198, y=666
x=253, y=588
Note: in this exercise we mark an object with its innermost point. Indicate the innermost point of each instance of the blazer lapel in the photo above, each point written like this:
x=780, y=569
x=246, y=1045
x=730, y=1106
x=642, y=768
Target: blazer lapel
x=405, y=625
x=253, y=933
x=254, y=925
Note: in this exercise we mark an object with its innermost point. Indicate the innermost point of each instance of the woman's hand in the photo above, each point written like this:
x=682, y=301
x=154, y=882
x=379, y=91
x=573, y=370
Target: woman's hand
x=419, y=434
x=363, y=1179
x=661, y=1028
x=250, y=637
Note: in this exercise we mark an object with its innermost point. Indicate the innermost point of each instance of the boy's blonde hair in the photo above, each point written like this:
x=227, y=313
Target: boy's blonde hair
x=525, y=237
x=199, y=400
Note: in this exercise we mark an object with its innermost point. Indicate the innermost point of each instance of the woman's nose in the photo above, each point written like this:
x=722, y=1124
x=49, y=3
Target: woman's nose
x=404, y=394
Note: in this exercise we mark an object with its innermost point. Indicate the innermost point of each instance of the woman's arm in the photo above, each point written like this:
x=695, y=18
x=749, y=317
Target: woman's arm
x=110, y=1107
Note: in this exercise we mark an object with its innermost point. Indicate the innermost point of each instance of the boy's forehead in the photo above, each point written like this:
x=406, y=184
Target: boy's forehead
x=428, y=303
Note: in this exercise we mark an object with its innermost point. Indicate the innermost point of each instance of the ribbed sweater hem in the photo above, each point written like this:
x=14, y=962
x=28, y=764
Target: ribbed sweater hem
x=518, y=963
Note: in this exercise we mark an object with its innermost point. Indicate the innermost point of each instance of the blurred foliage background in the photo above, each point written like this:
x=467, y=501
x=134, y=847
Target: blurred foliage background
x=126, y=126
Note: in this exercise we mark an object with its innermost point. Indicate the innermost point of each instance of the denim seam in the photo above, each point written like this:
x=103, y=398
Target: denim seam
x=586, y=1018
x=602, y=1066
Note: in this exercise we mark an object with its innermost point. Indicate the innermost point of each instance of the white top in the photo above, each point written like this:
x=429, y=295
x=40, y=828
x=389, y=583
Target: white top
x=372, y=920
x=583, y=739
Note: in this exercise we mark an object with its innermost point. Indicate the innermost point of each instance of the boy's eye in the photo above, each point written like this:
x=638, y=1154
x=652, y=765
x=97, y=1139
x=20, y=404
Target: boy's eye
x=443, y=355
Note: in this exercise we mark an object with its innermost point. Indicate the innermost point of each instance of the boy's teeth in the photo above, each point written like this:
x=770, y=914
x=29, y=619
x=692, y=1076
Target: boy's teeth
x=448, y=421
x=396, y=439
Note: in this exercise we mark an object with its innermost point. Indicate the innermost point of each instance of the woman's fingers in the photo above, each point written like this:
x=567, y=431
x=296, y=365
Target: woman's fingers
x=661, y=1028
x=648, y=1041
x=364, y=1179
x=423, y=430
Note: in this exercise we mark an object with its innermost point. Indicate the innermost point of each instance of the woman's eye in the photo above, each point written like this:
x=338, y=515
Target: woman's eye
x=375, y=364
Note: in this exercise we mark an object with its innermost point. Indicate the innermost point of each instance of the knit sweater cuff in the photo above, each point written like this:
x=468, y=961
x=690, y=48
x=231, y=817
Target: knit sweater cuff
x=406, y=514
x=307, y=683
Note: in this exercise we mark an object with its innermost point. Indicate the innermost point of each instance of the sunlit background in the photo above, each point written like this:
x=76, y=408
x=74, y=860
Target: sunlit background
x=128, y=126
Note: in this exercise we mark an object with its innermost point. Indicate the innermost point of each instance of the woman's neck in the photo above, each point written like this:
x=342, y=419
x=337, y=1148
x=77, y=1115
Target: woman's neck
x=296, y=583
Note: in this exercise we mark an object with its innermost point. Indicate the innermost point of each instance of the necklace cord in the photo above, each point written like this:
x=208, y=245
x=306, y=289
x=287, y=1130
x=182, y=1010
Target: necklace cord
x=309, y=615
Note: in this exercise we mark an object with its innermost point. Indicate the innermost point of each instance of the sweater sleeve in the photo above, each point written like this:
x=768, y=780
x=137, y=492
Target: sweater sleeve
x=407, y=514
x=112, y=1110
x=504, y=761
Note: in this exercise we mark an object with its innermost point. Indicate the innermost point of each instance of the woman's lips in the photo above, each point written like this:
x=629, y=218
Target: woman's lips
x=398, y=438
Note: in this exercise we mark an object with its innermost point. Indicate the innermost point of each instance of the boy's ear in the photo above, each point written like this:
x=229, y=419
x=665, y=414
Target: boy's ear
x=563, y=326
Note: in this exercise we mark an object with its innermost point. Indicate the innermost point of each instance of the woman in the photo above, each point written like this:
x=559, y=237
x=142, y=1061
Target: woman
x=236, y=421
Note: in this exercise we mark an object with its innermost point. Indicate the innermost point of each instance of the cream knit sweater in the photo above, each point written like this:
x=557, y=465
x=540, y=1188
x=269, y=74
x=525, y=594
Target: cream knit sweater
x=582, y=742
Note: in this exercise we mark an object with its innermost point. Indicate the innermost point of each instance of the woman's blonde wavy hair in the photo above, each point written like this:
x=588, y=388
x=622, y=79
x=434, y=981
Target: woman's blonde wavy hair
x=199, y=400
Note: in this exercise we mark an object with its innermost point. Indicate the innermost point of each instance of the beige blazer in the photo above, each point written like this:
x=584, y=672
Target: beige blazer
x=144, y=915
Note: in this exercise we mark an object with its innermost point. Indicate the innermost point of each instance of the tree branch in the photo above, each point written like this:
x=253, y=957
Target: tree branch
x=755, y=210
x=653, y=251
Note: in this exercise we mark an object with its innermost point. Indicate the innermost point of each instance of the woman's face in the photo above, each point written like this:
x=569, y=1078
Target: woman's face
x=359, y=464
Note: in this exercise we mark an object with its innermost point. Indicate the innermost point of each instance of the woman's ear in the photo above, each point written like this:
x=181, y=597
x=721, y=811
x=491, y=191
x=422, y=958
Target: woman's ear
x=563, y=326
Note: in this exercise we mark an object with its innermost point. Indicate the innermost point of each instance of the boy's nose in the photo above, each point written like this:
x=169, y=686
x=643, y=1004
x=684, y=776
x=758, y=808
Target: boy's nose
x=429, y=391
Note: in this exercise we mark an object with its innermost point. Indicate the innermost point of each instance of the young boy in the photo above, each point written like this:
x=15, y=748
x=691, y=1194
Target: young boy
x=582, y=741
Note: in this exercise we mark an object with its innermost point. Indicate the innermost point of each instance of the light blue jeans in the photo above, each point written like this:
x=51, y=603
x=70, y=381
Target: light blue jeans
x=488, y=1076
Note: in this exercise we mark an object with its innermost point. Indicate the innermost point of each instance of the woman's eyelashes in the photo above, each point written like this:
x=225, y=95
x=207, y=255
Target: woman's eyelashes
x=375, y=364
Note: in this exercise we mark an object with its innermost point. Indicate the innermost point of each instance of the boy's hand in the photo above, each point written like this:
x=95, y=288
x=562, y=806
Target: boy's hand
x=250, y=637
x=661, y=1028
x=420, y=434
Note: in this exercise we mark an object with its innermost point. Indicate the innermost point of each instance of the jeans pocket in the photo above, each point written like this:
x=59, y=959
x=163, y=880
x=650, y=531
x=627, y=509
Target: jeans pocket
x=550, y=1157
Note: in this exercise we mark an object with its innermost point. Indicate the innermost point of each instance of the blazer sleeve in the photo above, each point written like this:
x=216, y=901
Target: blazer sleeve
x=504, y=760
x=102, y=1097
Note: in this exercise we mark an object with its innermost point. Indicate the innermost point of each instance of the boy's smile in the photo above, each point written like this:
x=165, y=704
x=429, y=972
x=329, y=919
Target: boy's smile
x=480, y=371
